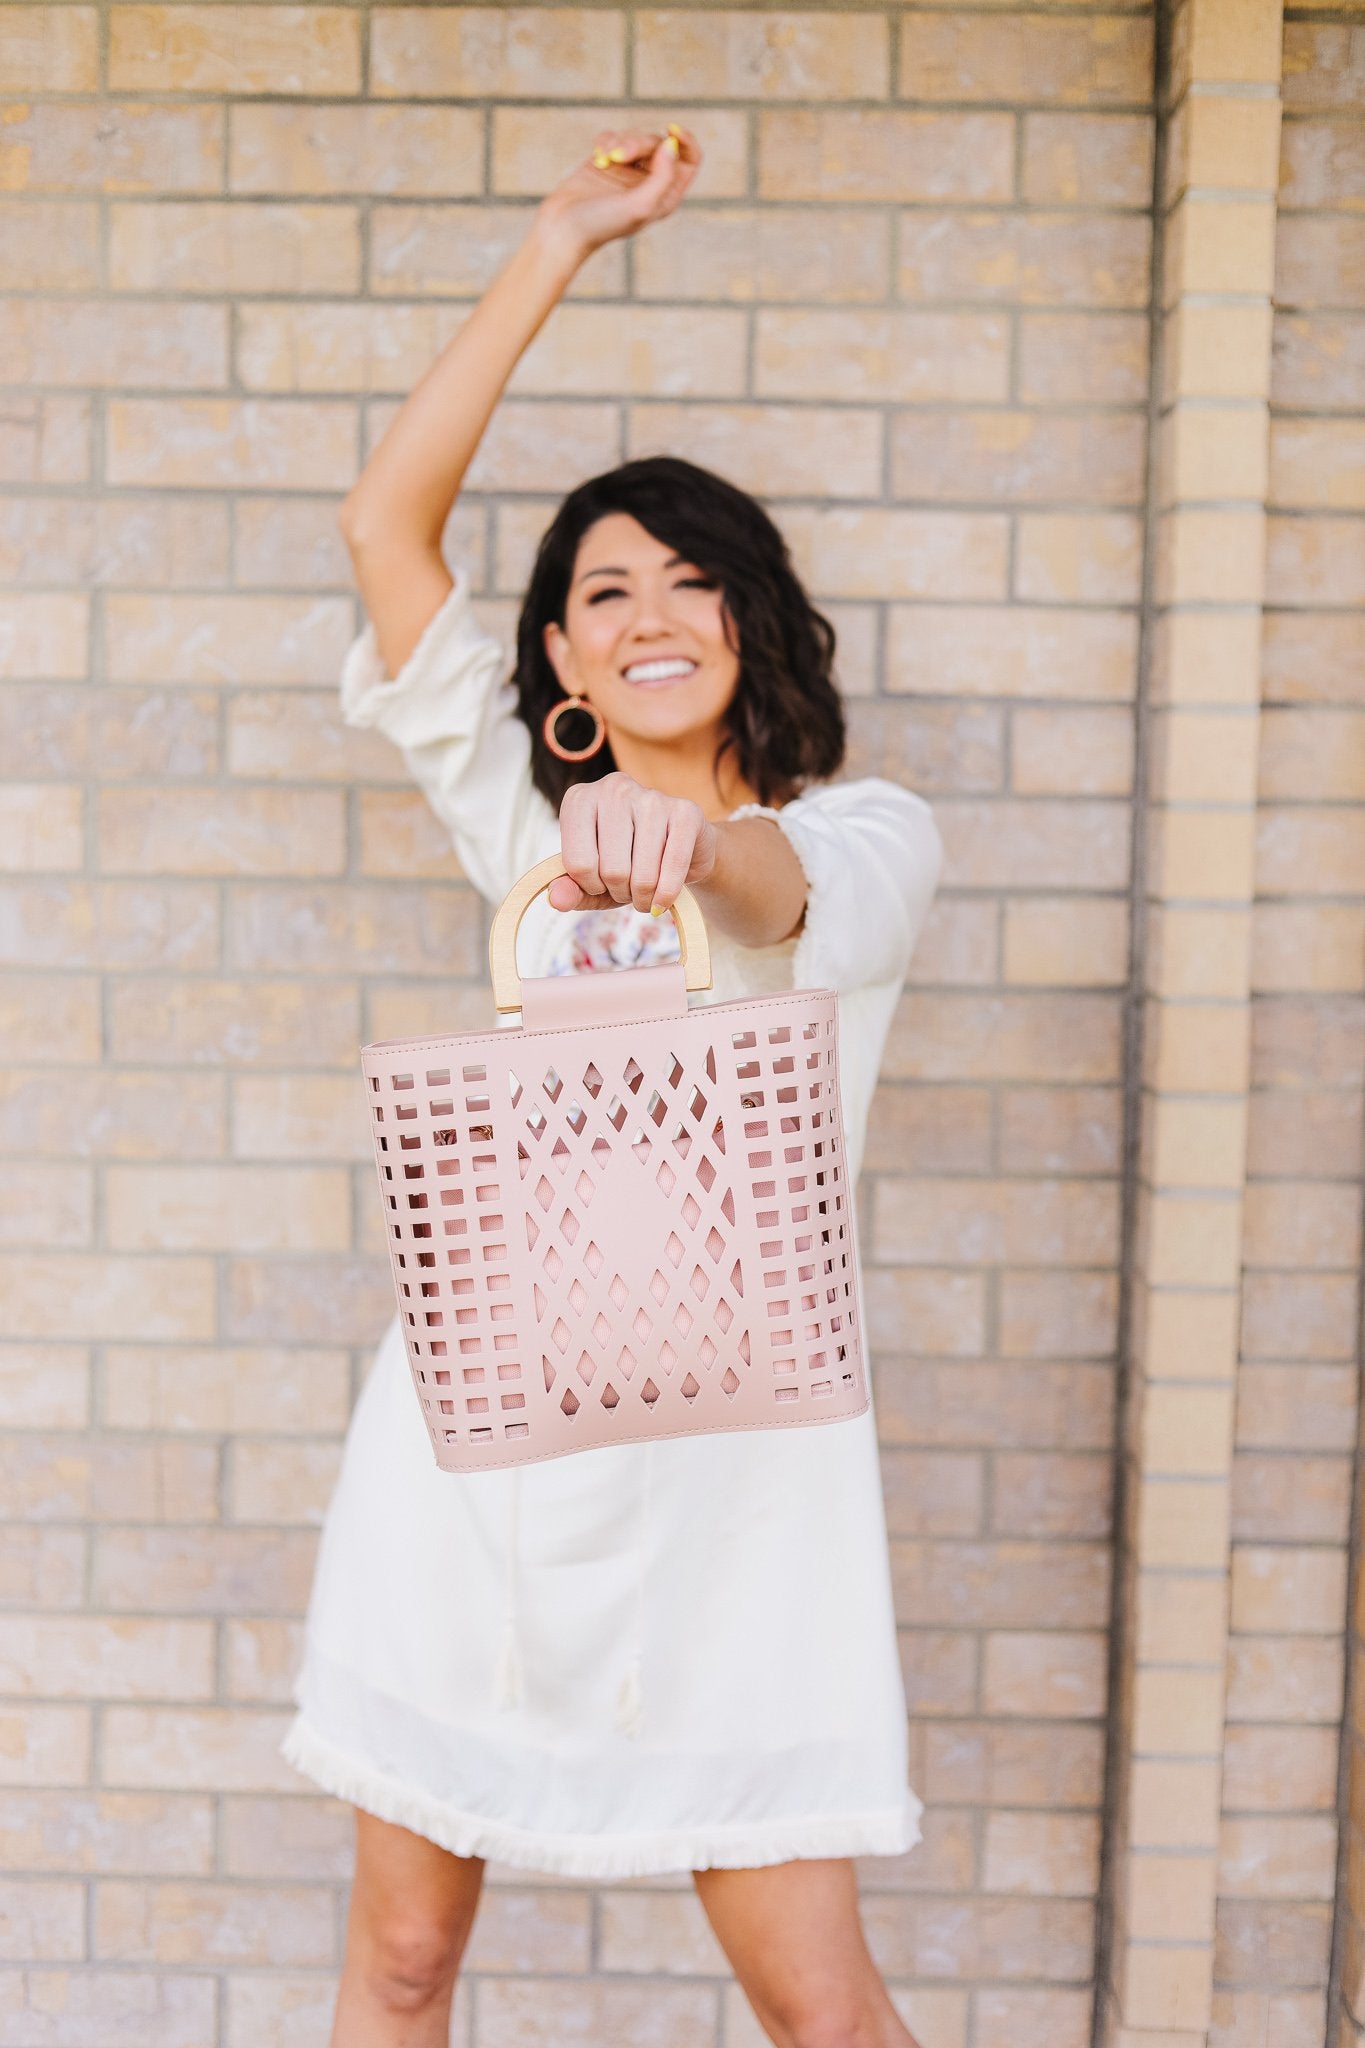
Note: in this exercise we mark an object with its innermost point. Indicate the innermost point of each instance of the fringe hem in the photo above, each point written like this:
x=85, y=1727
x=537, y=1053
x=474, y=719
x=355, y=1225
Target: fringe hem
x=887, y=1832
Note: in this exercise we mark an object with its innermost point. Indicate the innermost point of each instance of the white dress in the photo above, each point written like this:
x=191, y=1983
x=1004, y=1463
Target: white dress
x=642, y=1657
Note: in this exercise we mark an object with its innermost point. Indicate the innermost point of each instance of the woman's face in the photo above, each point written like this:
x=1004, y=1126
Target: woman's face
x=643, y=637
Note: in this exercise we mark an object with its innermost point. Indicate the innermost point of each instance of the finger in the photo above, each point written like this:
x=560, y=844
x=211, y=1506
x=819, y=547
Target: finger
x=634, y=149
x=578, y=841
x=615, y=833
x=651, y=830
x=674, y=862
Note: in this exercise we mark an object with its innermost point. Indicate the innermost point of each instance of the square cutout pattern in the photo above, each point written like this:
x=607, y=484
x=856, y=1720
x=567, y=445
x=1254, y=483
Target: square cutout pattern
x=612, y=1233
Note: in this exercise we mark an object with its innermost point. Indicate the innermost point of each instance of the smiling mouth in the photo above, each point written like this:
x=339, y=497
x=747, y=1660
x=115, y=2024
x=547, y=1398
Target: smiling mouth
x=654, y=674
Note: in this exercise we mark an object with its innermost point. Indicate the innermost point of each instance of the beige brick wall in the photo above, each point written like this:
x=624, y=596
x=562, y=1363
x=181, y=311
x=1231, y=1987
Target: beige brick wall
x=908, y=302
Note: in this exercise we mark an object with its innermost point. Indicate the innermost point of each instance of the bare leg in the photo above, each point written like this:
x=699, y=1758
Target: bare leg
x=412, y=1907
x=794, y=1938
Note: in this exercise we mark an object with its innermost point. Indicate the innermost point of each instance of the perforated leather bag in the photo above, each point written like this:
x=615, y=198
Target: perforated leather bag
x=624, y=1218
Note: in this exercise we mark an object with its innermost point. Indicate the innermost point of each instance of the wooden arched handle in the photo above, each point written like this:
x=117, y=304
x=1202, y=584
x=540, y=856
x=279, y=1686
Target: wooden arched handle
x=693, y=944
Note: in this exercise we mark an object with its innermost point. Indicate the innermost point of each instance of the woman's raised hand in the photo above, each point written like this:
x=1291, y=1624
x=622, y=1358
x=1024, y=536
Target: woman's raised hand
x=632, y=177
x=623, y=843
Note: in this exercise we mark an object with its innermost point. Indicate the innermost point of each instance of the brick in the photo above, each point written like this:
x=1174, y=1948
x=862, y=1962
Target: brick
x=286, y=1482
x=49, y=245
x=1055, y=1857
x=1319, y=361
x=44, y=439
x=1210, y=557
x=878, y=552
x=74, y=1830
x=1315, y=562
x=1059, y=1130
x=281, y=2011
x=1096, y=159
x=41, y=1746
x=1272, y=1945
x=334, y=348
x=1029, y=1938
x=1020, y=2018
x=766, y=254
x=248, y=444
x=1106, y=61
x=1047, y=1406
x=48, y=49
x=1302, y=1224
x=105, y=925
x=1072, y=752
x=748, y=55
x=1273, y=1769
x=1282, y=1499
x=1324, y=67
x=104, y=2008
x=1322, y=163
x=1029, y=259
x=780, y=451
x=116, y=146
x=47, y=729
x=1010, y=1037
x=877, y=155
x=1317, y=465
x=247, y=832
x=101, y=1114
x=1319, y=262
x=1307, y=1132
x=1308, y=947
x=515, y=52
x=1036, y=1673
x=418, y=152
x=233, y=246
x=263, y=1657
x=1075, y=558
x=938, y=1668
x=295, y=929
x=1034, y=843
x=1219, y=245
x=294, y=540
x=932, y=1493
x=317, y=1298
x=456, y=251
x=69, y=1479
x=533, y=145
x=225, y=1390
x=92, y=1656
x=309, y=1839
x=1012, y=1764
x=202, y=1022
x=942, y=1313
x=1223, y=141
x=1023, y=457
x=181, y=1922
x=40, y=827
x=1294, y=1592
x=1008, y=651
x=1204, y=854
x=909, y=356
x=1313, y=1044
x=229, y=49
x=1280, y=1678
x=91, y=342
x=43, y=635
x=637, y=351
x=1066, y=942
x=1331, y=842
x=86, y=1295
x=1208, y=452
x=927, y=1222
x=1042, y=1495
x=39, y=1567
x=297, y=1116
x=1216, y=351
x=44, y=1387
x=113, y=540
x=41, y=1922
x=1049, y=1315
x=1088, y=358
x=206, y=1749
x=577, y=2012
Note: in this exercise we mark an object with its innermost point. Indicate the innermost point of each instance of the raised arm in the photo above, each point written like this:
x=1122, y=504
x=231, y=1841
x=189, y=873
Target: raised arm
x=393, y=517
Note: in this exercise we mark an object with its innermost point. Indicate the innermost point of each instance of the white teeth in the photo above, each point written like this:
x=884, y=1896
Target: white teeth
x=658, y=671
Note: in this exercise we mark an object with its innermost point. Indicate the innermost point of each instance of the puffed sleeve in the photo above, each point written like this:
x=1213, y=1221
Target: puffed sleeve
x=872, y=856
x=454, y=718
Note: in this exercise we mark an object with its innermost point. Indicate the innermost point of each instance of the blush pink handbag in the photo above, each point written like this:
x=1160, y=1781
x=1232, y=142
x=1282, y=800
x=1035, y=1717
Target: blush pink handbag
x=623, y=1219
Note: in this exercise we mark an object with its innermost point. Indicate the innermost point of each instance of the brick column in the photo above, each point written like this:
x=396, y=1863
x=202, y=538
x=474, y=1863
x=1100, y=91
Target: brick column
x=1218, y=211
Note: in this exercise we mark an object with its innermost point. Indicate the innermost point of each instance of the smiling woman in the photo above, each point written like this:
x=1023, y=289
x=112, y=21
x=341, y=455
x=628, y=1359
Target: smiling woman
x=662, y=1656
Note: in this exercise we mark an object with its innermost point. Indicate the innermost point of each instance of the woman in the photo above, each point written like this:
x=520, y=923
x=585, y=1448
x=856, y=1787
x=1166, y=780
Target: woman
x=643, y=1657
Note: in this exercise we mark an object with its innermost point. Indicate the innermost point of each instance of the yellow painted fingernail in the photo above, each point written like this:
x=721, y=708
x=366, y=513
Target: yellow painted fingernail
x=657, y=909
x=619, y=156
x=601, y=159
x=673, y=144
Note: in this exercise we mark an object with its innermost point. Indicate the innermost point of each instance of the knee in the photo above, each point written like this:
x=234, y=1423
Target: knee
x=412, y=1960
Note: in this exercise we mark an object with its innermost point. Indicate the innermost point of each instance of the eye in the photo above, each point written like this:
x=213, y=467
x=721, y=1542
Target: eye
x=598, y=595
x=697, y=583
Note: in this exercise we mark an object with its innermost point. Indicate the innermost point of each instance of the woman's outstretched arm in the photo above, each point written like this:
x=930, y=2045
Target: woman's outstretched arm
x=393, y=517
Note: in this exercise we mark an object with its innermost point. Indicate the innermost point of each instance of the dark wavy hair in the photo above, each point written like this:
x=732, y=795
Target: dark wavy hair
x=785, y=721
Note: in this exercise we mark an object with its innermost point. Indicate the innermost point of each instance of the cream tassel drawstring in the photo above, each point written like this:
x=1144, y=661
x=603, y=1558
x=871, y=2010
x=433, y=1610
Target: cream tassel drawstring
x=630, y=1698
x=508, y=1682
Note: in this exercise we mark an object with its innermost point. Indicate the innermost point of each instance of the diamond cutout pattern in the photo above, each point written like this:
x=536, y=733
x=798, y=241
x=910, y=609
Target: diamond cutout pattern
x=592, y=1244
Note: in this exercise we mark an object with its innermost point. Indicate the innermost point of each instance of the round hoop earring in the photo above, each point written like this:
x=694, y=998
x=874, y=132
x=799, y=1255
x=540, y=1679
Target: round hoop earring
x=556, y=746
